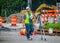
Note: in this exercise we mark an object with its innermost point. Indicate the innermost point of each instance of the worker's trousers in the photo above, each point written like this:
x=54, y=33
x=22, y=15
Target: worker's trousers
x=29, y=29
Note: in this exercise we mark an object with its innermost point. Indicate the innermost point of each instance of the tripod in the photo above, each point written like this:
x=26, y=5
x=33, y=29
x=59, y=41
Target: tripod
x=42, y=29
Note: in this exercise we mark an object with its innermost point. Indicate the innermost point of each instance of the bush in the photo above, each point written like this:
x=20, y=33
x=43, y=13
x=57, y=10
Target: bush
x=52, y=25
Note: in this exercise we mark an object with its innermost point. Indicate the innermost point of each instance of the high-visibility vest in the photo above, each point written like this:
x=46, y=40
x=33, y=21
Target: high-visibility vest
x=27, y=17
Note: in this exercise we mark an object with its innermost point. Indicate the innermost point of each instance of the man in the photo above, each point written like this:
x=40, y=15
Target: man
x=28, y=16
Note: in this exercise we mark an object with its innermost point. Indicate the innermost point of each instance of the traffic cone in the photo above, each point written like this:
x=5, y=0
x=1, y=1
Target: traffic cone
x=0, y=20
x=22, y=31
x=13, y=21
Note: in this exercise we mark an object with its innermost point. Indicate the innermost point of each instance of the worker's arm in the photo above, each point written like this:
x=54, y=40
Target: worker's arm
x=24, y=17
x=31, y=16
x=23, y=23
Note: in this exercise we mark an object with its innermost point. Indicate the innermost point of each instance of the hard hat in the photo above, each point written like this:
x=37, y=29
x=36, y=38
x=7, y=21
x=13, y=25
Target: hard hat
x=27, y=7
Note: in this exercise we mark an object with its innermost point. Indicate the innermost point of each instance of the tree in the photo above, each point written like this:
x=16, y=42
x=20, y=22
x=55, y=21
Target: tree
x=14, y=6
x=37, y=3
x=8, y=7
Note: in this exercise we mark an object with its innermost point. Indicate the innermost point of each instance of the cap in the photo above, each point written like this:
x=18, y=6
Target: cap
x=28, y=8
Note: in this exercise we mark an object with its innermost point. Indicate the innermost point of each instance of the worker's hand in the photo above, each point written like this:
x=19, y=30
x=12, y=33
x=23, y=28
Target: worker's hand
x=24, y=25
x=31, y=17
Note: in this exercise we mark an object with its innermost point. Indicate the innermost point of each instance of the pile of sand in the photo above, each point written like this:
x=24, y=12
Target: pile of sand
x=19, y=18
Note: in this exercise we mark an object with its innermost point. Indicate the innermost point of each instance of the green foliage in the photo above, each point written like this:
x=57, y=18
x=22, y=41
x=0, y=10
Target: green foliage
x=35, y=5
x=52, y=25
x=8, y=7
x=58, y=1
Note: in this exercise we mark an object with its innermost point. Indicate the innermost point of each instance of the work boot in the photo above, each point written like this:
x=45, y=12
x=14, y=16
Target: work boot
x=29, y=38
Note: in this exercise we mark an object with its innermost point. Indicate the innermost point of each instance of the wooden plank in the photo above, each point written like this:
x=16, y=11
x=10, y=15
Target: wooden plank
x=55, y=32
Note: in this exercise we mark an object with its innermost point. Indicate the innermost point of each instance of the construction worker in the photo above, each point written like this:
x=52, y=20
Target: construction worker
x=28, y=16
